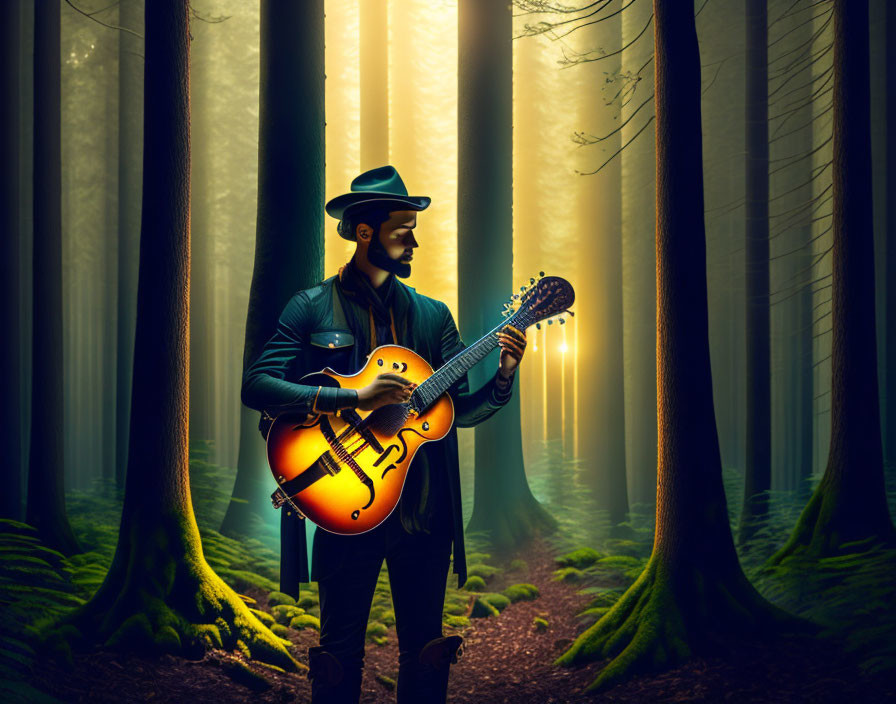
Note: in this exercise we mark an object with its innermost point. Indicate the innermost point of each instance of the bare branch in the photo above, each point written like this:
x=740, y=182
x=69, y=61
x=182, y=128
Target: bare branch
x=801, y=247
x=798, y=159
x=582, y=140
x=583, y=57
x=89, y=15
x=618, y=151
x=801, y=127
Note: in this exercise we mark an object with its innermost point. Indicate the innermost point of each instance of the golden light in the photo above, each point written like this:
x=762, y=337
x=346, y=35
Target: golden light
x=563, y=347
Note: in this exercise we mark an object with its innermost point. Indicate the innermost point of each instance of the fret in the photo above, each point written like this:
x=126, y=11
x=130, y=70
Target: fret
x=437, y=384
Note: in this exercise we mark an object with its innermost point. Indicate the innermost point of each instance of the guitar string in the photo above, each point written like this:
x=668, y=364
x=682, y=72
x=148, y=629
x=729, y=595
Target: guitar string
x=471, y=351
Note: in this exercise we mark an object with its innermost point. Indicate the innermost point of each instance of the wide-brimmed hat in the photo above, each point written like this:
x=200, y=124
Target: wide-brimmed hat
x=382, y=184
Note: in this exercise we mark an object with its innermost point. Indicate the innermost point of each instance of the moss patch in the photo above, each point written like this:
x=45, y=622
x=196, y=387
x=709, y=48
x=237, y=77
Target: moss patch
x=304, y=621
x=581, y=557
x=474, y=584
x=521, y=592
x=279, y=598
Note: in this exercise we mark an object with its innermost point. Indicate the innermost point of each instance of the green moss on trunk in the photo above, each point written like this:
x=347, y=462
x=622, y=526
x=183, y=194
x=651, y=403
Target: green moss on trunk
x=667, y=614
x=160, y=596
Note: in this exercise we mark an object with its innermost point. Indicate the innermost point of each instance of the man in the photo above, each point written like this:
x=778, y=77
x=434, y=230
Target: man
x=337, y=324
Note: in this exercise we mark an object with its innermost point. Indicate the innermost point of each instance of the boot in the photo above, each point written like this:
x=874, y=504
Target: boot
x=428, y=682
x=328, y=682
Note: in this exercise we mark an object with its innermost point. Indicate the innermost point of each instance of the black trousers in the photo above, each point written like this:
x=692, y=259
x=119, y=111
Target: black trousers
x=418, y=569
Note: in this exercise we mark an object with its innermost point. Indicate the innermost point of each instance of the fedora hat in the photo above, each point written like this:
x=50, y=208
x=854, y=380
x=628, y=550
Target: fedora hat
x=377, y=185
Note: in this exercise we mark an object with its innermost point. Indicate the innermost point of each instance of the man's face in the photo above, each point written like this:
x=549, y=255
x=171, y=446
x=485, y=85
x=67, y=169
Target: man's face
x=397, y=235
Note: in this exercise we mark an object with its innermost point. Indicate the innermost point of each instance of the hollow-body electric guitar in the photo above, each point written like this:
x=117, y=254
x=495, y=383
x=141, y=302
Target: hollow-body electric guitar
x=346, y=472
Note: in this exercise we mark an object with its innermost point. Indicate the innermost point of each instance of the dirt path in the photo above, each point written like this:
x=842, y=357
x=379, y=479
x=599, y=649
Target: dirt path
x=505, y=660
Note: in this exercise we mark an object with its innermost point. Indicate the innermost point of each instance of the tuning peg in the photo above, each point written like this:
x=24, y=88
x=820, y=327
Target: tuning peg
x=570, y=312
x=550, y=321
x=540, y=274
x=522, y=288
x=562, y=320
x=538, y=326
x=531, y=281
x=515, y=296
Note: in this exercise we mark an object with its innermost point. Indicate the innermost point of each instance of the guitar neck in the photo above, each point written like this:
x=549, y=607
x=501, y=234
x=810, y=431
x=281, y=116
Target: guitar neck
x=430, y=390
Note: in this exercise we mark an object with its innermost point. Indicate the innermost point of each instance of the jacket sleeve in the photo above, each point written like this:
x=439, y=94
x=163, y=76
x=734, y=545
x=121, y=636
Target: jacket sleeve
x=470, y=407
x=265, y=387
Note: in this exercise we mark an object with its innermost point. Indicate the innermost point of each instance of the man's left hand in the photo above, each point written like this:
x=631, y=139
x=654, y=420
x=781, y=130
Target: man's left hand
x=513, y=346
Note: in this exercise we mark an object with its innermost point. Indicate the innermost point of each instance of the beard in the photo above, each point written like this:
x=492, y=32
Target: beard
x=377, y=255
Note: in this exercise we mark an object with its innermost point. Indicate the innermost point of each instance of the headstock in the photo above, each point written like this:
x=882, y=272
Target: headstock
x=539, y=300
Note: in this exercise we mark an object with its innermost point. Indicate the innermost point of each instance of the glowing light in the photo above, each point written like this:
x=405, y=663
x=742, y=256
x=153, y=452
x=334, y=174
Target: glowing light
x=563, y=347
x=535, y=348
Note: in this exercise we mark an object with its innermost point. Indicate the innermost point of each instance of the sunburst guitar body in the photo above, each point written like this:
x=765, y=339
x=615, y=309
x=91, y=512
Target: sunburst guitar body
x=340, y=499
x=346, y=472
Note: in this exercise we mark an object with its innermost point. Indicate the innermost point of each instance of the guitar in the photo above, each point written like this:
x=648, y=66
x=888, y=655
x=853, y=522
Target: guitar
x=346, y=472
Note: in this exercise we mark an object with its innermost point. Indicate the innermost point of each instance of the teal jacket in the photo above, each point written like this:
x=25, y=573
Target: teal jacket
x=312, y=333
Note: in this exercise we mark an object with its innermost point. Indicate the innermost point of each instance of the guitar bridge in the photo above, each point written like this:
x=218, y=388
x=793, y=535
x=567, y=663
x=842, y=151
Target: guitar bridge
x=329, y=464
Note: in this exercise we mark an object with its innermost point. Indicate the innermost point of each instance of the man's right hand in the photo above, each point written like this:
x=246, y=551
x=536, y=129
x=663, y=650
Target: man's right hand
x=385, y=389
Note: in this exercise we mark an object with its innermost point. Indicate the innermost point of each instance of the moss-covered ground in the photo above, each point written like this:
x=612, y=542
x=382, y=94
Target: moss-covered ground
x=849, y=597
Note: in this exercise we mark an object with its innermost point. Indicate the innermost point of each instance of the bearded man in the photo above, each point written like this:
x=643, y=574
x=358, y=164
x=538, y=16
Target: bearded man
x=337, y=324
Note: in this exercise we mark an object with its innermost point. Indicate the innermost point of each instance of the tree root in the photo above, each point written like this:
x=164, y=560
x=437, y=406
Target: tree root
x=666, y=615
x=508, y=529
x=164, y=601
x=824, y=530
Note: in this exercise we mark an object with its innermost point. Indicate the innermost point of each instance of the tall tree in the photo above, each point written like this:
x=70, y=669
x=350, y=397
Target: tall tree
x=849, y=506
x=289, y=242
x=10, y=294
x=638, y=169
x=890, y=239
x=693, y=592
x=130, y=157
x=46, y=478
x=599, y=301
x=374, y=84
x=758, y=468
x=202, y=261
x=159, y=592
x=503, y=505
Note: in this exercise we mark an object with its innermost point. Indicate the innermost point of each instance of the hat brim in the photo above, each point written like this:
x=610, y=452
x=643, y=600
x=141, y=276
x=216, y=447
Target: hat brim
x=338, y=205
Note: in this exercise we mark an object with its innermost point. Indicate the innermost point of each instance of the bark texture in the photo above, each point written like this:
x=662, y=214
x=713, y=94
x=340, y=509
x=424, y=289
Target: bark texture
x=503, y=505
x=289, y=239
x=160, y=595
x=46, y=474
x=10, y=293
x=130, y=159
x=693, y=593
x=758, y=468
x=848, y=509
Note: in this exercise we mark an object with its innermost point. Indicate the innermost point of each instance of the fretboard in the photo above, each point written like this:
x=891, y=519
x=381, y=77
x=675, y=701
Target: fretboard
x=442, y=380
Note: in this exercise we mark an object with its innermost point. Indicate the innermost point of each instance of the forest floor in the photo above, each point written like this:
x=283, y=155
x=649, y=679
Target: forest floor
x=506, y=659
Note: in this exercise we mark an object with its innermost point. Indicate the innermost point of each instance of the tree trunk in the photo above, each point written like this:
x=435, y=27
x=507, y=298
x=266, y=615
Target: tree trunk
x=46, y=477
x=130, y=158
x=638, y=271
x=503, y=505
x=374, y=85
x=10, y=295
x=758, y=469
x=289, y=245
x=693, y=593
x=890, y=265
x=160, y=594
x=202, y=268
x=599, y=296
x=848, y=509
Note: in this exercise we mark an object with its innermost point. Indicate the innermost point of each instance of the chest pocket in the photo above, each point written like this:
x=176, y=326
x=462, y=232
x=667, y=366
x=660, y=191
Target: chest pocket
x=331, y=348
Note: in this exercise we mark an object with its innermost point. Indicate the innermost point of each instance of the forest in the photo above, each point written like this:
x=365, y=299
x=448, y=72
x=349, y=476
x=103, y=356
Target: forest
x=689, y=496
